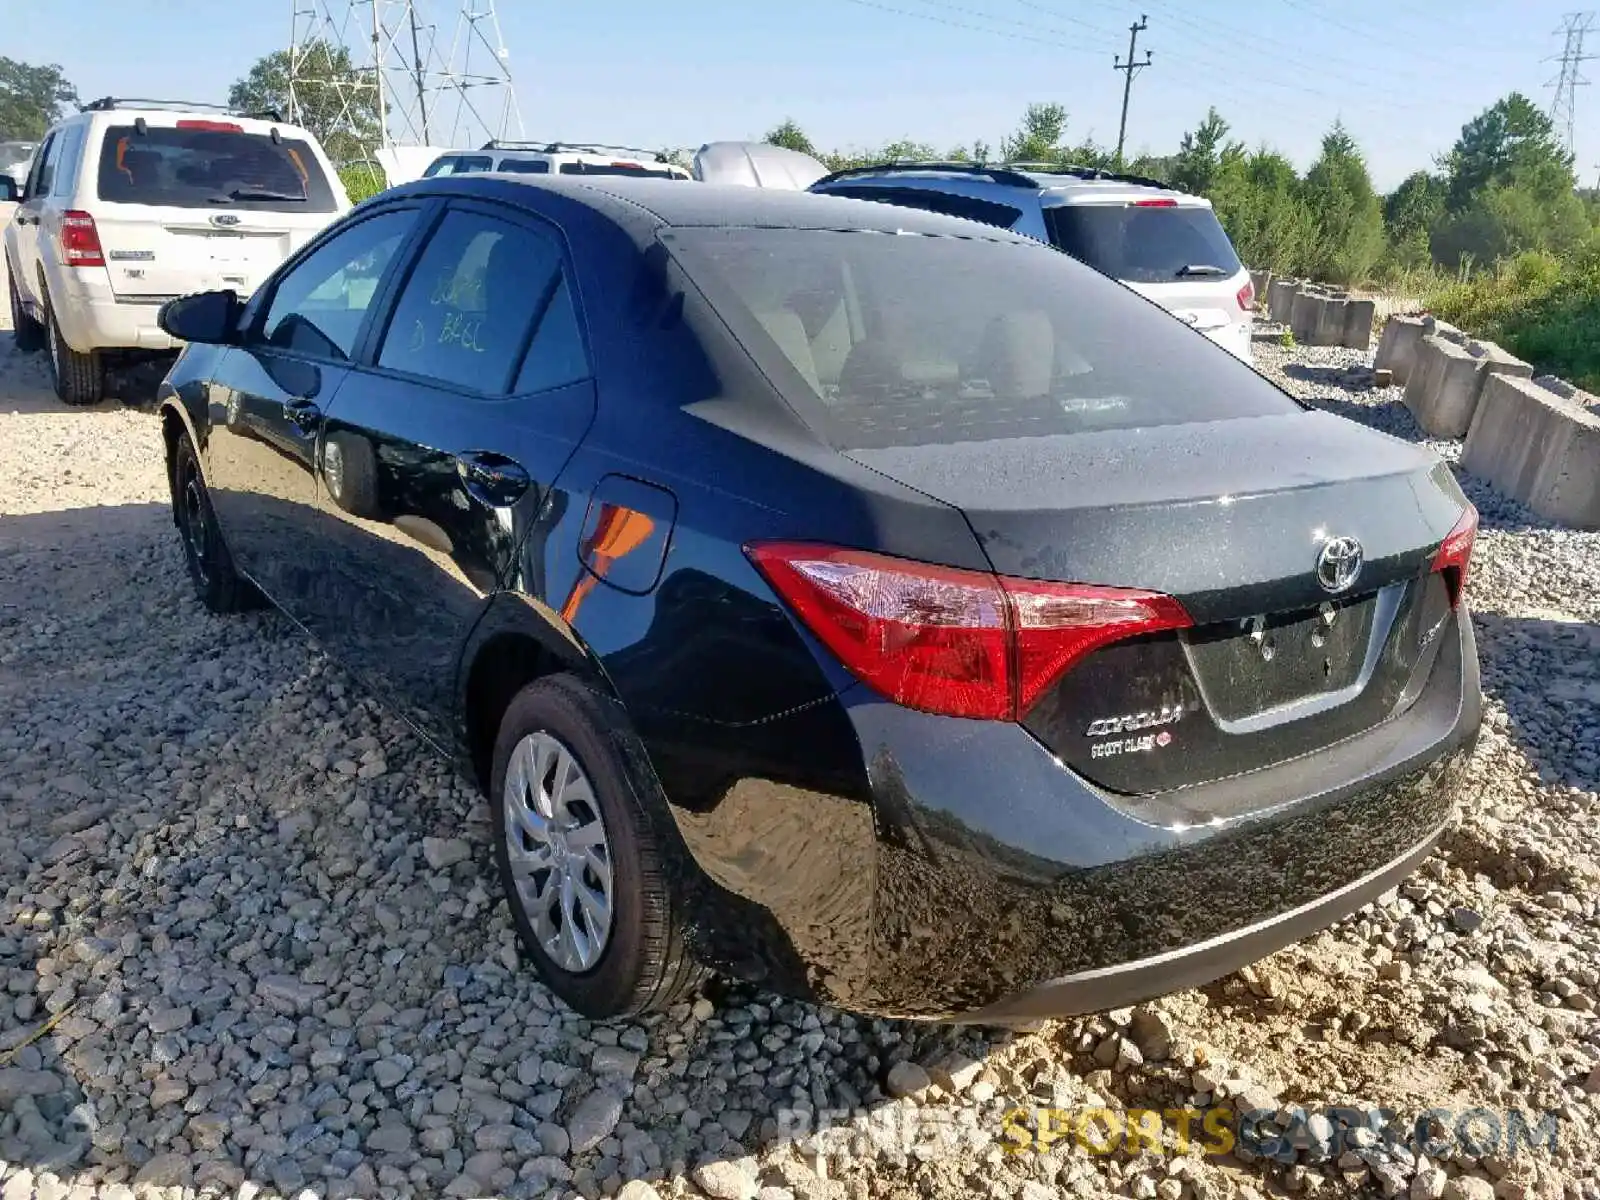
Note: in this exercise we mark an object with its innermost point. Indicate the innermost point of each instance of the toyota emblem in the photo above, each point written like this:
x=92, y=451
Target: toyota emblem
x=1338, y=564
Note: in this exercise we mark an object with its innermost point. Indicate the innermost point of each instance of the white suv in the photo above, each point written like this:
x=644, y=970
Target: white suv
x=1162, y=243
x=556, y=158
x=130, y=203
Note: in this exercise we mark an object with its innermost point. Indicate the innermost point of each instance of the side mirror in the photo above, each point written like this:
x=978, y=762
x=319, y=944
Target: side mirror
x=10, y=193
x=206, y=317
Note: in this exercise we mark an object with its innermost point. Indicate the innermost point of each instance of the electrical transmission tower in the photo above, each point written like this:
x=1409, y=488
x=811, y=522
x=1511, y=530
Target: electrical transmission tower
x=1564, y=106
x=1132, y=68
x=426, y=81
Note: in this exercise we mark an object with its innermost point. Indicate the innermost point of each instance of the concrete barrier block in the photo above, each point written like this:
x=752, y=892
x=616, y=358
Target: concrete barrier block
x=1499, y=361
x=1358, y=318
x=1569, y=391
x=1399, y=346
x=1537, y=447
x=1305, y=316
x=1280, y=299
x=1329, y=329
x=1259, y=282
x=1443, y=392
x=1433, y=327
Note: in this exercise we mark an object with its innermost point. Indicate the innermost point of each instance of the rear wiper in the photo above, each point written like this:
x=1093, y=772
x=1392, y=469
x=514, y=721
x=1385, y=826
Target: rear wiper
x=236, y=195
x=1200, y=269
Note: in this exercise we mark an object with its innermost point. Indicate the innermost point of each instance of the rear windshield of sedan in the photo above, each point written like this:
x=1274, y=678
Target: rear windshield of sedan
x=880, y=339
x=1154, y=244
x=211, y=167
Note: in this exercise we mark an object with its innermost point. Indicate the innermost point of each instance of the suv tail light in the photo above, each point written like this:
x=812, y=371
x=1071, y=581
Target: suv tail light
x=956, y=642
x=1455, y=554
x=80, y=241
x=1247, y=297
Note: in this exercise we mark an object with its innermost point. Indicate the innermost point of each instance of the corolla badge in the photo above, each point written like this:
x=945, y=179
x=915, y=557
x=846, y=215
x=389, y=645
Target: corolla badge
x=1339, y=564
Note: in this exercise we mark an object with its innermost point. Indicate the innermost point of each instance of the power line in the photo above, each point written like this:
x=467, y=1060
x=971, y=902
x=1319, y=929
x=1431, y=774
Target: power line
x=922, y=16
x=1564, y=104
x=1129, y=69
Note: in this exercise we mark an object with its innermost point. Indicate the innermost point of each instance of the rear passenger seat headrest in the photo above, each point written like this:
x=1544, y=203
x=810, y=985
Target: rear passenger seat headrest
x=1018, y=354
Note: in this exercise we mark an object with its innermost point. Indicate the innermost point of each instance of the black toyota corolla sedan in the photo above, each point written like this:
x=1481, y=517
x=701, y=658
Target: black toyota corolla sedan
x=875, y=606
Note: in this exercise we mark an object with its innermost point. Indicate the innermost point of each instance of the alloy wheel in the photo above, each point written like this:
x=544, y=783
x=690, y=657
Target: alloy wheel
x=196, y=528
x=559, y=855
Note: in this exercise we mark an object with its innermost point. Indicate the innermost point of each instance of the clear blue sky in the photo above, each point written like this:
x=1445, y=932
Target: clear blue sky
x=1402, y=74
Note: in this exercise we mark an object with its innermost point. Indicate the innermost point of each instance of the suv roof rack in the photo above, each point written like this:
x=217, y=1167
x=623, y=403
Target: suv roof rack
x=1004, y=173
x=572, y=147
x=1079, y=172
x=113, y=103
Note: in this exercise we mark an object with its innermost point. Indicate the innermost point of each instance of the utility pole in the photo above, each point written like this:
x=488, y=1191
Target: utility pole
x=1564, y=105
x=1130, y=68
x=416, y=62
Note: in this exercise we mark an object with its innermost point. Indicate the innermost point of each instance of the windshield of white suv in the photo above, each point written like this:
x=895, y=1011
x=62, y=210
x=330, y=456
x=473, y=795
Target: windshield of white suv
x=1144, y=243
x=210, y=164
x=880, y=339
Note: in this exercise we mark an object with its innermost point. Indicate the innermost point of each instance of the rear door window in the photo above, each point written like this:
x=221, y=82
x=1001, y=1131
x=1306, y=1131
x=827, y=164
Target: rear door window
x=211, y=165
x=525, y=166
x=618, y=168
x=482, y=290
x=1144, y=244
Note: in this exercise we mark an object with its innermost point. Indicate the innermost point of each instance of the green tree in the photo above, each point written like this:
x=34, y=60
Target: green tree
x=336, y=100
x=1201, y=154
x=1257, y=199
x=1347, y=212
x=790, y=136
x=1510, y=143
x=32, y=98
x=1410, y=214
x=1040, y=136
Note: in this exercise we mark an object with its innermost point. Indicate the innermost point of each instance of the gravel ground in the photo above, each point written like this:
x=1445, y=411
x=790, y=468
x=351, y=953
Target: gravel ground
x=250, y=943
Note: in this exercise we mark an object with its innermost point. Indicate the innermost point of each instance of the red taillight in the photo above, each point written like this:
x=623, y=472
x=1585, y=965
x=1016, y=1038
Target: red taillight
x=957, y=642
x=212, y=126
x=1455, y=554
x=80, y=241
x=1247, y=297
x=1166, y=202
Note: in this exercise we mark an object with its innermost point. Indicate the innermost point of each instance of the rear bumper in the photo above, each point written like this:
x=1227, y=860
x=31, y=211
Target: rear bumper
x=920, y=866
x=92, y=318
x=1135, y=982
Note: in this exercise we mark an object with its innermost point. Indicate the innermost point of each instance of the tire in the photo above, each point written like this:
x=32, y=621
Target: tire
x=26, y=333
x=220, y=587
x=79, y=378
x=350, y=473
x=642, y=963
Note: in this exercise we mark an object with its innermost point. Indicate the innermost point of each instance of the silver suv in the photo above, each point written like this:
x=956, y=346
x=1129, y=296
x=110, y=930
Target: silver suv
x=1164, y=244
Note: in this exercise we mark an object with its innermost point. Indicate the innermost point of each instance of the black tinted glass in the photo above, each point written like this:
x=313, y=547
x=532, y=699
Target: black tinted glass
x=618, y=168
x=1143, y=244
x=466, y=313
x=525, y=166
x=899, y=339
x=970, y=207
x=211, y=167
x=319, y=306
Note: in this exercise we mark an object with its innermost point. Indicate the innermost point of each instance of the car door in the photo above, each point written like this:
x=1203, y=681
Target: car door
x=267, y=395
x=440, y=453
x=25, y=220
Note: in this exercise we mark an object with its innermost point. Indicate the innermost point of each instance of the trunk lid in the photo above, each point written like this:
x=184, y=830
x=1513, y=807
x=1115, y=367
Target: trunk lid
x=1230, y=517
x=158, y=253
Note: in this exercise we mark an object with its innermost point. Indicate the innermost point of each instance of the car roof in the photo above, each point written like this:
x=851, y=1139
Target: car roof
x=685, y=204
x=1013, y=180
